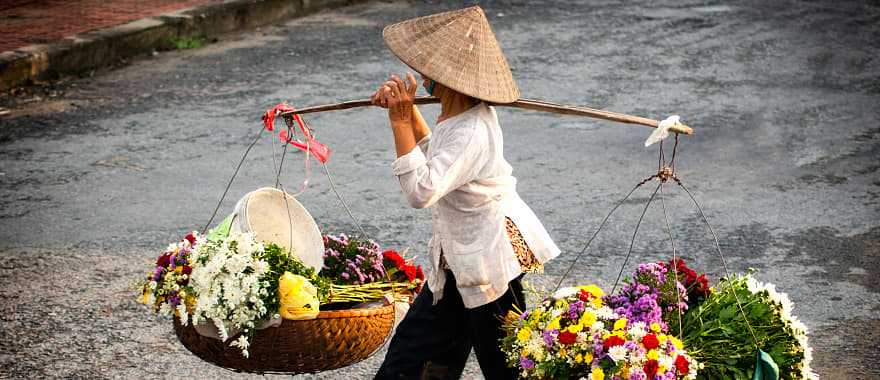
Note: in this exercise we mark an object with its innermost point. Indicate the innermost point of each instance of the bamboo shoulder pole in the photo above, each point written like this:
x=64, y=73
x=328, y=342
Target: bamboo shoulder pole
x=536, y=105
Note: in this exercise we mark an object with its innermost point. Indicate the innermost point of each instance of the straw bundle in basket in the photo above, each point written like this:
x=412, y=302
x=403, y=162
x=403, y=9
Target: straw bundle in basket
x=334, y=339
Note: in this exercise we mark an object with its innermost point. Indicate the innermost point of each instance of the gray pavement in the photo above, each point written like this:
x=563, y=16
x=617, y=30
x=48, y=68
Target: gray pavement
x=98, y=174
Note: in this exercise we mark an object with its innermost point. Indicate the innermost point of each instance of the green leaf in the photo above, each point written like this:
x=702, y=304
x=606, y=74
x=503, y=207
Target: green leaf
x=727, y=313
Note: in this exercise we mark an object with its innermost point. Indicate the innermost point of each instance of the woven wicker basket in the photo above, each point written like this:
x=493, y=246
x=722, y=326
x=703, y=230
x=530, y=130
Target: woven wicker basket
x=334, y=339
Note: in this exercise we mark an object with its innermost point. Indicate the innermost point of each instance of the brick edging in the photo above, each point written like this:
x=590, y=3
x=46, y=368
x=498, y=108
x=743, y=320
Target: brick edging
x=100, y=48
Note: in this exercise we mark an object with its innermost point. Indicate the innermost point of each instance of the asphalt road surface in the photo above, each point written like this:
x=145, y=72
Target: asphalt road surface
x=98, y=174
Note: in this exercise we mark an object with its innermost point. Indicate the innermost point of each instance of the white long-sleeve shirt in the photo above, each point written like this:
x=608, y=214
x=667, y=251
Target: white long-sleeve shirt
x=459, y=171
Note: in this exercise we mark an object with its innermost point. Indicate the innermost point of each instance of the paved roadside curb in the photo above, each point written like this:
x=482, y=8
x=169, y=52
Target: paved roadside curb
x=99, y=48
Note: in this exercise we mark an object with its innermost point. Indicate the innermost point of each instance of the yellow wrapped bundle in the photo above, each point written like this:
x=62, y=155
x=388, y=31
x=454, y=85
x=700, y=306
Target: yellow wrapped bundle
x=298, y=297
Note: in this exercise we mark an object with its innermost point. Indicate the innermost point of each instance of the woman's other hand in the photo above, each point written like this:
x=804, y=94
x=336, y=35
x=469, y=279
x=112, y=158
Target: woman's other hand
x=398, y=95
x=377, y=99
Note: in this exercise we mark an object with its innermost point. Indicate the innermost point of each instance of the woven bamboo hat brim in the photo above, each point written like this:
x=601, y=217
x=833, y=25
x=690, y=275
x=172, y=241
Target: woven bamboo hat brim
x=458, y=50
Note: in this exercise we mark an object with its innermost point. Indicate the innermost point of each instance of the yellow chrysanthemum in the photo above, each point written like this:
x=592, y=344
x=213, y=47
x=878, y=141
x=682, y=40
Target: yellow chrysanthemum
x=596, y=302
x=588, y=357
x=562, y=352
x=597, y=374
x=655, y=327
x=652, y=355
x=523, y=335
x=661, y=369
x=662, y=338
x=620, y=324
x=676, y=342
x=553, y=325
x=576, y=328
x=588, y=318
x=578, y=358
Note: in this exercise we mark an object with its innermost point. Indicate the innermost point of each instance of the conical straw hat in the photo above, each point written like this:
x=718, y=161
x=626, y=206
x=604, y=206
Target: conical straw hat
x=456, y=49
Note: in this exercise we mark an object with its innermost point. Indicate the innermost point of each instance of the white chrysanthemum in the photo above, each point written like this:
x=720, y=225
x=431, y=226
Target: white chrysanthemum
x=221, y=329
x=617, y=353
x=606, y=313
x=165, y=309
x=753, y=285
x=637, y=330
x=228, y=284
x=666, y=361
x=183, y=314
x=565, y=292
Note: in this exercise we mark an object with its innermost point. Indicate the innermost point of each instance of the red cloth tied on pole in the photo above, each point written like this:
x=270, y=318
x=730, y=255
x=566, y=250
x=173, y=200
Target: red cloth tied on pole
x=310, y=146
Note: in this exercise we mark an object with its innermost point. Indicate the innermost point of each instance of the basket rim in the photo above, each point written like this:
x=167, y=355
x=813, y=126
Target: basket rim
x=349, y=313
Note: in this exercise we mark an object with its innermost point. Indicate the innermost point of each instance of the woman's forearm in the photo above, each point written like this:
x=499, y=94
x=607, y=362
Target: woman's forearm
x=419, y=126
x=404, y=139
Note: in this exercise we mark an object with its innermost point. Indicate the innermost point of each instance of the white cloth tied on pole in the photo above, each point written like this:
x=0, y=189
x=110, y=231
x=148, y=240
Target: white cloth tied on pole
x=662, y=130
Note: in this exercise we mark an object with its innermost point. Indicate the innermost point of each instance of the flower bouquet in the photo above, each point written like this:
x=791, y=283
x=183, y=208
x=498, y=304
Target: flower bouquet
x=359, y=271
x=718, y=336
x=582, y=333
x=166, y=287
x=574, y=334
x=654, y=295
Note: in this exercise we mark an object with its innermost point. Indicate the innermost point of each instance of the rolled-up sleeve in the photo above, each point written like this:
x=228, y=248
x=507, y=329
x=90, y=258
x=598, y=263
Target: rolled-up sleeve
x=408, y=162
x=423, y=143
x=453, y=161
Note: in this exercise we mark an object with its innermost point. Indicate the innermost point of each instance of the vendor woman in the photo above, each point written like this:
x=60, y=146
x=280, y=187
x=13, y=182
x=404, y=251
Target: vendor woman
x=484, y=236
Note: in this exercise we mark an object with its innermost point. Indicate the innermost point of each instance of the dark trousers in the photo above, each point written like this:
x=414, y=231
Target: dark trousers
x=434, y=341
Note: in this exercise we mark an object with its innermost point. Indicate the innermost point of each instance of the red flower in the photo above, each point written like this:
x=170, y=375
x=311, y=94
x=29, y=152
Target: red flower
x=612, y=341
x=410, y=272
x=690, y=275
x=682, y=365
x=650, y=368
x=419, y=274
x=187, y=269
x=190, y=238
x=566, y=337
x=650, y=342
x=163, y=260
x=394, y=258
x=584, y=295
x=702, y=285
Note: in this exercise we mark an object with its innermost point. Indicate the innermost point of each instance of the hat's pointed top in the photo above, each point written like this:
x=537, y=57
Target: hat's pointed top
x=457, y=49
